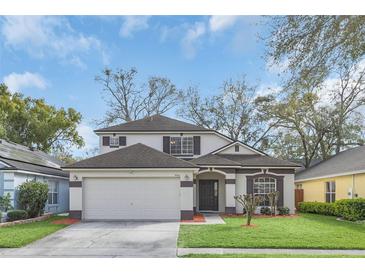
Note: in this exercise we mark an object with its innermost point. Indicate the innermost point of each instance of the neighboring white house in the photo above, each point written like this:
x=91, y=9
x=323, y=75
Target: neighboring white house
x=160, y=168
x=19, y=164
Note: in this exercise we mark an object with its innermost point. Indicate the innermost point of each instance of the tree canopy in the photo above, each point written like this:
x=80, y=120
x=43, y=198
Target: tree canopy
x=34, y=123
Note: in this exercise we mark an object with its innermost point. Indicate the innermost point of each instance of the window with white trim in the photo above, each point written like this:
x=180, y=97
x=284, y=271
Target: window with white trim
x=330, y=192
x=181, y=145
x=114, y=141
x=263, y=186
x=52, y=192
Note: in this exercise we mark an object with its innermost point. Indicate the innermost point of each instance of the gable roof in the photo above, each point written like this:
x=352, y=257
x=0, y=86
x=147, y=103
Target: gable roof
x=154, y=123
x=242, y=160
x=241, y=144
x=21, y=158
x=346, y=162
x=134, y=156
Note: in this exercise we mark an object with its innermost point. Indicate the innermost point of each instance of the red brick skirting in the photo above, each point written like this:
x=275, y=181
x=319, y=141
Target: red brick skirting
x=27, y=221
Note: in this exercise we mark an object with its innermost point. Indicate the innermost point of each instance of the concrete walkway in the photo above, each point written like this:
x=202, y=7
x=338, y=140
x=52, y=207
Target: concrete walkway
x=210, y=219
x=186, y=251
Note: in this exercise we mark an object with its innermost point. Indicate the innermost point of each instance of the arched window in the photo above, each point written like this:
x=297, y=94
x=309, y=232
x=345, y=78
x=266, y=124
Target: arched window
x=262, y=186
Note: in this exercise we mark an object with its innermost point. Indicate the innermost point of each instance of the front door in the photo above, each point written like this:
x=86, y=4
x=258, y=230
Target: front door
x=208, y=195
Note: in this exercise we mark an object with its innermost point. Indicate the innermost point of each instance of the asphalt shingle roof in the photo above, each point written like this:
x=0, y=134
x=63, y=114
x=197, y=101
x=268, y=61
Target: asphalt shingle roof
x=351, y=160
x=242, y=160
x=134, y=156
x=154, y=123
x=19, y=157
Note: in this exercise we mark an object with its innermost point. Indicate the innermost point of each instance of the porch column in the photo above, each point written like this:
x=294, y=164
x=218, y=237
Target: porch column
x=75, y=199
x=230, y=183
x=186, y=200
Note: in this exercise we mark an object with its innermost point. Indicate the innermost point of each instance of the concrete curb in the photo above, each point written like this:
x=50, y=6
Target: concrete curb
x=186, y=251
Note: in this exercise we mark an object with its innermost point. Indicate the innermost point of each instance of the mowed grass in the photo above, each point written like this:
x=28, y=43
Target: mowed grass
x=23, y=234
x=304, y=231
x=244, y=255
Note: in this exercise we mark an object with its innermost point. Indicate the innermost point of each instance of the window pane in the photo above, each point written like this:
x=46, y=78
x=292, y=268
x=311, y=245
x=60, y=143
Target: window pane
x=114, y=141
x=50, y=198
x=333, y=186
x=175, y=145
x=328, y=198
x=328, y=187
x=333, y=197
x=187, y=143
x=55, y=198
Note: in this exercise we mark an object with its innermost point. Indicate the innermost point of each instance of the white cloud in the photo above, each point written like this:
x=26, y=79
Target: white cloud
x=277, y=68
x=90, y=138
x=221, y=22
x=133, y=24
x=42, y=36
x=17, y=82
x=267, y=89
x=190, y=41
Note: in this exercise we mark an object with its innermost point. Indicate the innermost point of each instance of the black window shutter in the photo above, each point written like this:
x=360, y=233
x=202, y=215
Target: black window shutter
x=196, y=140
x=280, y=188
x=122, y=140
x=106, y=140
x=249, y=185
x=166, y=144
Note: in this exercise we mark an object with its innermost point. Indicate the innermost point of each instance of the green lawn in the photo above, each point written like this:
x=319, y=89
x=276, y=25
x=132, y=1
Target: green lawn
x=23, y=234
x=268, y=256
x=305, y=231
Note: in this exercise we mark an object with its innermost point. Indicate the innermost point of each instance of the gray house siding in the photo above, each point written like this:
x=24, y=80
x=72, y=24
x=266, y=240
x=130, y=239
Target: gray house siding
x=9, y=181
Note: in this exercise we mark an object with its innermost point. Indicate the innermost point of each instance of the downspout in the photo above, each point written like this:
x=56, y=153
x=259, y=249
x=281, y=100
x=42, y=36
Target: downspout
x=353, y=186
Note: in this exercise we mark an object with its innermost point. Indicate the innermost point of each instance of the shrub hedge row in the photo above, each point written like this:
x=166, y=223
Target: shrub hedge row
x=15, y=215
x=349, y=209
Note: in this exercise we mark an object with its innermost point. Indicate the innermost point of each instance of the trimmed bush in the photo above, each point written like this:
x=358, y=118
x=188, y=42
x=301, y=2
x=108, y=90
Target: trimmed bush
x=317, y=208
x=15, y=215
x=351, y=209
x=283, y=210
x=265, y=210
x=33, y=197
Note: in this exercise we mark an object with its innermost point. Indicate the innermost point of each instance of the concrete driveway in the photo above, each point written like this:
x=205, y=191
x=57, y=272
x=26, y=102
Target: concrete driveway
x=105, y=239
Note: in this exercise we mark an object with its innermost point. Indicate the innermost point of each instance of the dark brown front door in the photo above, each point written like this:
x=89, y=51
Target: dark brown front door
x=208, y=195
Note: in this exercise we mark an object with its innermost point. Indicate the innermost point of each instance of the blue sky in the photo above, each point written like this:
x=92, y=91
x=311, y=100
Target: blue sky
x=57, y=58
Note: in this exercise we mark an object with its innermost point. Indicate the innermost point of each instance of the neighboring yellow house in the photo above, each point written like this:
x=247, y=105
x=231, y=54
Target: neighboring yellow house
x=340, y=177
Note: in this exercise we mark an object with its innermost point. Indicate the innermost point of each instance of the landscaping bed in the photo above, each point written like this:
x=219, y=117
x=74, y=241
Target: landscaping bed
x=244, y=255
x=22, y=234
x=303, y=231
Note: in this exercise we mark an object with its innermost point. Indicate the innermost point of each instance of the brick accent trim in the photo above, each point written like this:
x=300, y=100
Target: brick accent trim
x=75, y=184
x=230, y=210
x=281, y=171
x=186, y=214
x=248, y=171
x=77, y=214
x=230, y=181
x=186, y=183
x=227, y=170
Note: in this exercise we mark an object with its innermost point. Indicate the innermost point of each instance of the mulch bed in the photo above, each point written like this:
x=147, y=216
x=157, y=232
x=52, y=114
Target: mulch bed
x=261, y=216
x=198, y=218
x=67, y=221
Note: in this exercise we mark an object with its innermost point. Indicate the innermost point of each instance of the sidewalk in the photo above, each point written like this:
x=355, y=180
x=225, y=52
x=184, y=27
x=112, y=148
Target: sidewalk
x=186, y=251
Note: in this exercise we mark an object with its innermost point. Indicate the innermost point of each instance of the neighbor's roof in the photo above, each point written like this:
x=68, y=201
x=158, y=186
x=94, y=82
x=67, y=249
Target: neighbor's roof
x=346, y=162
x=242, y=161
x=19, y=157
x=134, y=156
x=154, y=123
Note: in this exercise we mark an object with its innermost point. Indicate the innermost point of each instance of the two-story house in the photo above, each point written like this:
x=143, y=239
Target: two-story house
x=159, y=168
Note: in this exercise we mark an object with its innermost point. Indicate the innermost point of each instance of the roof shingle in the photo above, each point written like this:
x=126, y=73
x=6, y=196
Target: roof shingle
x=351, y=160
x=134, y=156
x=153, y=123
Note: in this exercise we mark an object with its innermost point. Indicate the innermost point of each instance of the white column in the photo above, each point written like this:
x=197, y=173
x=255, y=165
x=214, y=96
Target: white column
x=230, y=183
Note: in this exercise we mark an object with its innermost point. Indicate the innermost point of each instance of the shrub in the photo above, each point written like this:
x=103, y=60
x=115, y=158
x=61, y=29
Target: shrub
x=5, y=202
x=14, y=215
x=32, y=197
x=284, y=210
x=317, y=208
x=351, y=209
x=265, y=210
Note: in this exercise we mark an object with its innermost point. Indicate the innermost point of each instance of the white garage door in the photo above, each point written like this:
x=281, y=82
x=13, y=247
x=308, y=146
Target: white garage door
x=131, y=199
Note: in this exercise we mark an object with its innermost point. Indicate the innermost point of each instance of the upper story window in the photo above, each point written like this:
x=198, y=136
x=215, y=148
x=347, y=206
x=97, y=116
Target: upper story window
x=330, y=192
x=181, y=145
x=237, y=148
x=263, y=186
x=114, y=141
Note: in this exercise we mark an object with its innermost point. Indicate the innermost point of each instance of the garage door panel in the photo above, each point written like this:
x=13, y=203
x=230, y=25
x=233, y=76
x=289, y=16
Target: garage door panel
x=132, y=199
